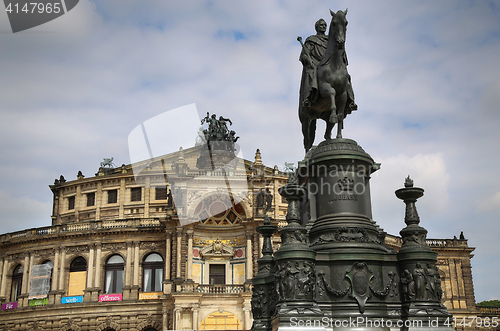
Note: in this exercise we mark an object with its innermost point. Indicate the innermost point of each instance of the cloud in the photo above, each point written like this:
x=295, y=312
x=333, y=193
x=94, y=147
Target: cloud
x=490, y=204
x=424, y=75
x=23, y=212
x=428, y=171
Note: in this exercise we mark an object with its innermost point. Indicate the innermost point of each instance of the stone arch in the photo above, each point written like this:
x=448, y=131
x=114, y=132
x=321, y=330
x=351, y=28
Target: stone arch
x=148, y=324
x=222, y=312
x=108, y=326
x=107, y=255
x=142, y=255
x=201, y=208
x=44, y=259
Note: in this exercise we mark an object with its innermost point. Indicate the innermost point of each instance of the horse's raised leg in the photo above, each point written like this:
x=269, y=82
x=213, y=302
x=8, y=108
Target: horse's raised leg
x=326, y=90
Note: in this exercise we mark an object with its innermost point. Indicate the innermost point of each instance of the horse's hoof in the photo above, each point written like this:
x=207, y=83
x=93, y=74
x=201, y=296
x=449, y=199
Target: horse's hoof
x=333, y=118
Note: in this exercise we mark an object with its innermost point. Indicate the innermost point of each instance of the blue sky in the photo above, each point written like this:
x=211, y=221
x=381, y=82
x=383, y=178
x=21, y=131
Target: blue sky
x=425, y=74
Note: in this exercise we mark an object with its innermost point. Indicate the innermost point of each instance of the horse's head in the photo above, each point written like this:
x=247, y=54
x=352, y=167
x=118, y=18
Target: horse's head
x=338, y=27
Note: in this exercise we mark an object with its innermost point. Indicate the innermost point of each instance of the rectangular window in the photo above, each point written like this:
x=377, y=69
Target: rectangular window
x=71, y=203
x=161, y=193
x=112, y=196
x=217, y=274
x=135, y=194
x=90, y=199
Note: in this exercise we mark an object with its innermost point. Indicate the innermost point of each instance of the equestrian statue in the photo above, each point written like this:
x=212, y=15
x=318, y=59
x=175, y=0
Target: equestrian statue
x=325, y=89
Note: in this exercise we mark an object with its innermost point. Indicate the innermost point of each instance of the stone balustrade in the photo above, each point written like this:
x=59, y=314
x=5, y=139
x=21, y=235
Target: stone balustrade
x=82, y=226
x=210, y=289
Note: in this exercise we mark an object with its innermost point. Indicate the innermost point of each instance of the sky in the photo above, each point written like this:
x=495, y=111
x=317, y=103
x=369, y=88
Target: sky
x=426, y=76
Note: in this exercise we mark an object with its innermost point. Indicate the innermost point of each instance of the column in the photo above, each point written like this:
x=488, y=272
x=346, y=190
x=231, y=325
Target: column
x=24, y=287
x=55, y=271
x=147, y=193
x=195, y=318
x=121, y=198
x=97, y=281
x=30, y=270
x=136, y=264
x=4, y=277
x=98, y=201
x=248, y=318
x=78, y=198
x=189, y=267
x=177, y=314
x=249, y=255
x=127, y=280
x=168, y=255
x=178, y=232
x=90, y=266
x=128, y=265
x=167, y=282
x=61, y=269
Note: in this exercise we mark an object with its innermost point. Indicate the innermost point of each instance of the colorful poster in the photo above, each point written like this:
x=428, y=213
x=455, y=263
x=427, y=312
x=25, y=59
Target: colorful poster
x=38, y=302
x=110, y=297
x=149, y=295
x=10, y=305
x=75, y=299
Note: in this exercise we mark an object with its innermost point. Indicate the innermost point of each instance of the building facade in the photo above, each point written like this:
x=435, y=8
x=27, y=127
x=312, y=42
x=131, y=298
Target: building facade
x=168, y=244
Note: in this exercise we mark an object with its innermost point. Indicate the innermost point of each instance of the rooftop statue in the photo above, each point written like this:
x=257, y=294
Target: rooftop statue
x=218, y=133
x=325, y=89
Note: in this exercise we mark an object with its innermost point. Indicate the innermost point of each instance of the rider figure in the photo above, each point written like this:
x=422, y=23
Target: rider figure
x=311, y=55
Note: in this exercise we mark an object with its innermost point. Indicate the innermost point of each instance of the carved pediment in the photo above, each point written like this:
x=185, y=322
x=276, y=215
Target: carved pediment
x=217, y=249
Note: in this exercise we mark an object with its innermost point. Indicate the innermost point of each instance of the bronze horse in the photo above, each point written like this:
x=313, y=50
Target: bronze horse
x=333, y=78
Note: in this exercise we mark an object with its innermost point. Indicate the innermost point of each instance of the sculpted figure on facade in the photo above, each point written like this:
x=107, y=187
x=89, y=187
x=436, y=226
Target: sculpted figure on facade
x=420, y=282
x=408, y=285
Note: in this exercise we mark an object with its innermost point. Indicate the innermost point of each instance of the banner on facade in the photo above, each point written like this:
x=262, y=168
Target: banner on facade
x=38, y=302
x=75, y=299
x=110, y=297
x=40, y=281
x=149, y=296
x=10, y=305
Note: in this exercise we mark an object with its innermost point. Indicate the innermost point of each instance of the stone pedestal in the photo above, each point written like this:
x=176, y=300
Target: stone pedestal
x=216, y=155
x=338, y=273
x=357, y=272
x=295, y=265
x=420, y=279
x=264, y=295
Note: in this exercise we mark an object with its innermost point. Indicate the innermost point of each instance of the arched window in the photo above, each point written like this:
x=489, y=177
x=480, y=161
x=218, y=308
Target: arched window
x=77, y=276
x=17, y=282
x=152, y=273
x=78, y=264
x=113, y=281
